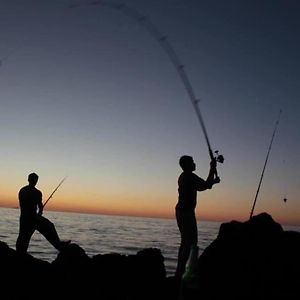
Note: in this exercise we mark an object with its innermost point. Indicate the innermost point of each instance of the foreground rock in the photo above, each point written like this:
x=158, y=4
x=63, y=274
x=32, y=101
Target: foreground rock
x=256, y=259
x=251, y=260
x=73, y=274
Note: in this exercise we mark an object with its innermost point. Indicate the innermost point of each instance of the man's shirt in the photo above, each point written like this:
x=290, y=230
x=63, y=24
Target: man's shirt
x=29, y=198
x=188, y=186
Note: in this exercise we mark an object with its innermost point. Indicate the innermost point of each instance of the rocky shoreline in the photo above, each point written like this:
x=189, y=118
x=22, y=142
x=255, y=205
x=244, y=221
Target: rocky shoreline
x=255, y=259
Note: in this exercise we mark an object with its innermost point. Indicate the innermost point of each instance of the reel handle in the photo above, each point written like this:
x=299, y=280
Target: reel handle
x=219, y=159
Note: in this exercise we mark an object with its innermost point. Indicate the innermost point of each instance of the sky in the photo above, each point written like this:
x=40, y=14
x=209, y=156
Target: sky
x=86, y=92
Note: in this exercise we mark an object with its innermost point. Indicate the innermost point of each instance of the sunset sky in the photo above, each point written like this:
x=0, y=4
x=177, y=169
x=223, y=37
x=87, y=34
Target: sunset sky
x=88, y=93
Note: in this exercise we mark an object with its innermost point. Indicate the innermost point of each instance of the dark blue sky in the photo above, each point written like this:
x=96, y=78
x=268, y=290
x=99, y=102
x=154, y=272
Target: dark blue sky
x=89, y=92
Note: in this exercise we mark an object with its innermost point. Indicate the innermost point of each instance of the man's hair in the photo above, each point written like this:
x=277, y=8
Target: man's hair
x=32, y=177
x=185, y=161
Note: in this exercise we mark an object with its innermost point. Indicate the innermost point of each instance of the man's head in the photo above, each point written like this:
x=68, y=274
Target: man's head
x=33, y=179
x=187, y=163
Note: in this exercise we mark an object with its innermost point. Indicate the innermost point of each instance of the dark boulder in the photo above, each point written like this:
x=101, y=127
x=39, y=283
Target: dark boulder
x=73, y=274
x=20, y=271
x=139, y=276
x=251, y=260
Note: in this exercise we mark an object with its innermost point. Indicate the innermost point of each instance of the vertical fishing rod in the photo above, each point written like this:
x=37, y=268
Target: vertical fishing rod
x=54, y=191
x=167, y=47
x=263, y=171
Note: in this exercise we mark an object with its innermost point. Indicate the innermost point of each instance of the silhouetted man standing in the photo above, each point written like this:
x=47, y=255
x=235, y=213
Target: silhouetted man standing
x=31, y=219
x=188, y=186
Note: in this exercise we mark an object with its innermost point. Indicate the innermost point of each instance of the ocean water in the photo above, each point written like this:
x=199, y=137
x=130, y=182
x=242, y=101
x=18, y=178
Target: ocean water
x=101, y=234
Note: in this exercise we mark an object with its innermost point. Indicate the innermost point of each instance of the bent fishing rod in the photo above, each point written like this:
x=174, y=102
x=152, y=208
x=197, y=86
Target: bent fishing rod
x=263, y=171
x=167, y=47
x=54, y=191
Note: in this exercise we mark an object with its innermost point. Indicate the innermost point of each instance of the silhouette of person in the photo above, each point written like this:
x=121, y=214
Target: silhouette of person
x=31, y=219
x=188, y=186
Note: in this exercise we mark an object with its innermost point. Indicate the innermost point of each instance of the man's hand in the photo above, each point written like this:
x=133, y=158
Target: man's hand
x=217, y=179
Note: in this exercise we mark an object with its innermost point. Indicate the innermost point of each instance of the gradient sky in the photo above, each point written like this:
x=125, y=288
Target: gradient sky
x=89, y=93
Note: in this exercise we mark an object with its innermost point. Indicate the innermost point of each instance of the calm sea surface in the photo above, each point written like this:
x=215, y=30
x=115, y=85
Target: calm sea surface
x=100, y=234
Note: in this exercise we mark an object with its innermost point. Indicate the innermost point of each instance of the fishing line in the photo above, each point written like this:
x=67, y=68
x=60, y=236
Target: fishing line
x=12, y=52
x=263, y=171
x=285, y=196
x=167, y=47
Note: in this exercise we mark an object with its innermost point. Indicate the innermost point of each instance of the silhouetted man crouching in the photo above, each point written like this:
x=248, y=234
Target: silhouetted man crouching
x=31, y=219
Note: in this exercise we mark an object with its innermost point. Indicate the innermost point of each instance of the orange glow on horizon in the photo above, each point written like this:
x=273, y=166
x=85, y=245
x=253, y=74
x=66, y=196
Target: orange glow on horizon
x=210, y=207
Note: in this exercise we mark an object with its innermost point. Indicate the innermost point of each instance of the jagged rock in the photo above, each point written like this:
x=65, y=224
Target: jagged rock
x=74, y=274
x=139, y=276
x=251, y=260
x=255, y=259
x=19, y=271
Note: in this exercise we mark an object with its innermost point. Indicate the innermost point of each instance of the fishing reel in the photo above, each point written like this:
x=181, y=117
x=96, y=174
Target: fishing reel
x=219, y=157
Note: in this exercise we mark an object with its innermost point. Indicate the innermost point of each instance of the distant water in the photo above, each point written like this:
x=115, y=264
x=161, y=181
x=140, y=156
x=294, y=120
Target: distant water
x=101, y=234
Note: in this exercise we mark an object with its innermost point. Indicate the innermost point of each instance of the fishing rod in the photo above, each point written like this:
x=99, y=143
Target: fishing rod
x=54, y=191
x=167, y=47
x=263, y=171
